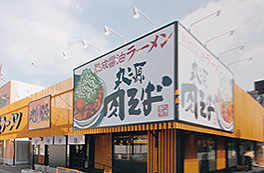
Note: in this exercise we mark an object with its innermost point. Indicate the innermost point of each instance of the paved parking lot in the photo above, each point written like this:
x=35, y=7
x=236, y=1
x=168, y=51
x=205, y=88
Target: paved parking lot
x=13, y=169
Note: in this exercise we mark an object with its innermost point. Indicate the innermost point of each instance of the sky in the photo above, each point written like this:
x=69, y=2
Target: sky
x=34, y=33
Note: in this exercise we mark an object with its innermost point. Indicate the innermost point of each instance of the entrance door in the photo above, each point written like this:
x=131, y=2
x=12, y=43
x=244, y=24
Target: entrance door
x=81, y=156
x=130, y=153
x=78, y=156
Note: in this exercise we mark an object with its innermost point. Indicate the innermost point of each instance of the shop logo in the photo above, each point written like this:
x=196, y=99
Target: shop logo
x=163, y=110
x=40, y=113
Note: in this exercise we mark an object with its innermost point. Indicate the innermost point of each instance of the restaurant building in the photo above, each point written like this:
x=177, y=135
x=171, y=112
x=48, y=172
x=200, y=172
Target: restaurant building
x=160, y=103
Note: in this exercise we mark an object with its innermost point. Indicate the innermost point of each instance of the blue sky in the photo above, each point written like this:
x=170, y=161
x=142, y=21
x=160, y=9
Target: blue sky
x=35, y=32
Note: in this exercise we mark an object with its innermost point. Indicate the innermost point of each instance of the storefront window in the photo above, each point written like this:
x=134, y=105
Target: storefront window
x=206, y=154
x=41, y=149
x=232, y=155
x=131, y=148
x=206, y=149
x=35, y=149
x=3, y=100
x=231, y=150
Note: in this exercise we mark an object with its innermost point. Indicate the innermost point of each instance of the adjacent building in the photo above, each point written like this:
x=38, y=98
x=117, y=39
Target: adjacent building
x=11, y=92
x=258, y=93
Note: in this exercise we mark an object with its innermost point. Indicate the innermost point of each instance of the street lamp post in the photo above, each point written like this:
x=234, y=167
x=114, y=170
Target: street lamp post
x=136, y=15
x=239, y=48
x=217, y=13
x=230, y=33
x=65, y=55
x=246, y=59
x=84, y=43
x=106, y=28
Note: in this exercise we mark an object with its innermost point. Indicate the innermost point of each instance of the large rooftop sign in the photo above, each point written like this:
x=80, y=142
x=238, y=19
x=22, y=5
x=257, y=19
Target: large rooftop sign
x=205, y=84
x=137, y=82
x=130, y=85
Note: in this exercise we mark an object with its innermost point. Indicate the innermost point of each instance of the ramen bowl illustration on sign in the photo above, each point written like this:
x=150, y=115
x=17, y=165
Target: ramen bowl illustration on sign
x=88, y=100
x=225, y=103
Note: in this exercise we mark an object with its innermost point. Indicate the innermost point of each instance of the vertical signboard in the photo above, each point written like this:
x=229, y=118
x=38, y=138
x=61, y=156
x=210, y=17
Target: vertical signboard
x=132, y=84
x=205, y=85
x=39, y=113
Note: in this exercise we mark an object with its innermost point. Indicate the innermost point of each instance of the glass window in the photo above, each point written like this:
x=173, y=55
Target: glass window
x=206, y=154
x=231, y=150
x=3, y=100
x=211, y=151
x=36, y=149
x=131, y=148
x=232, y=154
x=41, y=149
x=206, y=149
x=139, y=148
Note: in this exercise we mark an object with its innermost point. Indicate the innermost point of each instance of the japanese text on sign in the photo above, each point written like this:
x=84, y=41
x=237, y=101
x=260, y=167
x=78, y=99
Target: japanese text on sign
x=117, y=98
x=120, y=58
x=10, y=123
x=194, y=98
x=40, y=113
x=201, y=56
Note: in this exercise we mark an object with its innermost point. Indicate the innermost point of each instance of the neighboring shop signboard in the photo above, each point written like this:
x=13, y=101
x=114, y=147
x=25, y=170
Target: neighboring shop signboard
x=130, y=85
x=205, y=85
x=39, y=113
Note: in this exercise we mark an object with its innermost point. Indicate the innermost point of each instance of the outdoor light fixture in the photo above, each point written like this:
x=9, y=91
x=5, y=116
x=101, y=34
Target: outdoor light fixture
x=246, y=59
x=217, y=13
x=136, y=15
x=84, y=42
x=240, y=48
x=65, y=55
x=230, y=33
x=107, y=32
